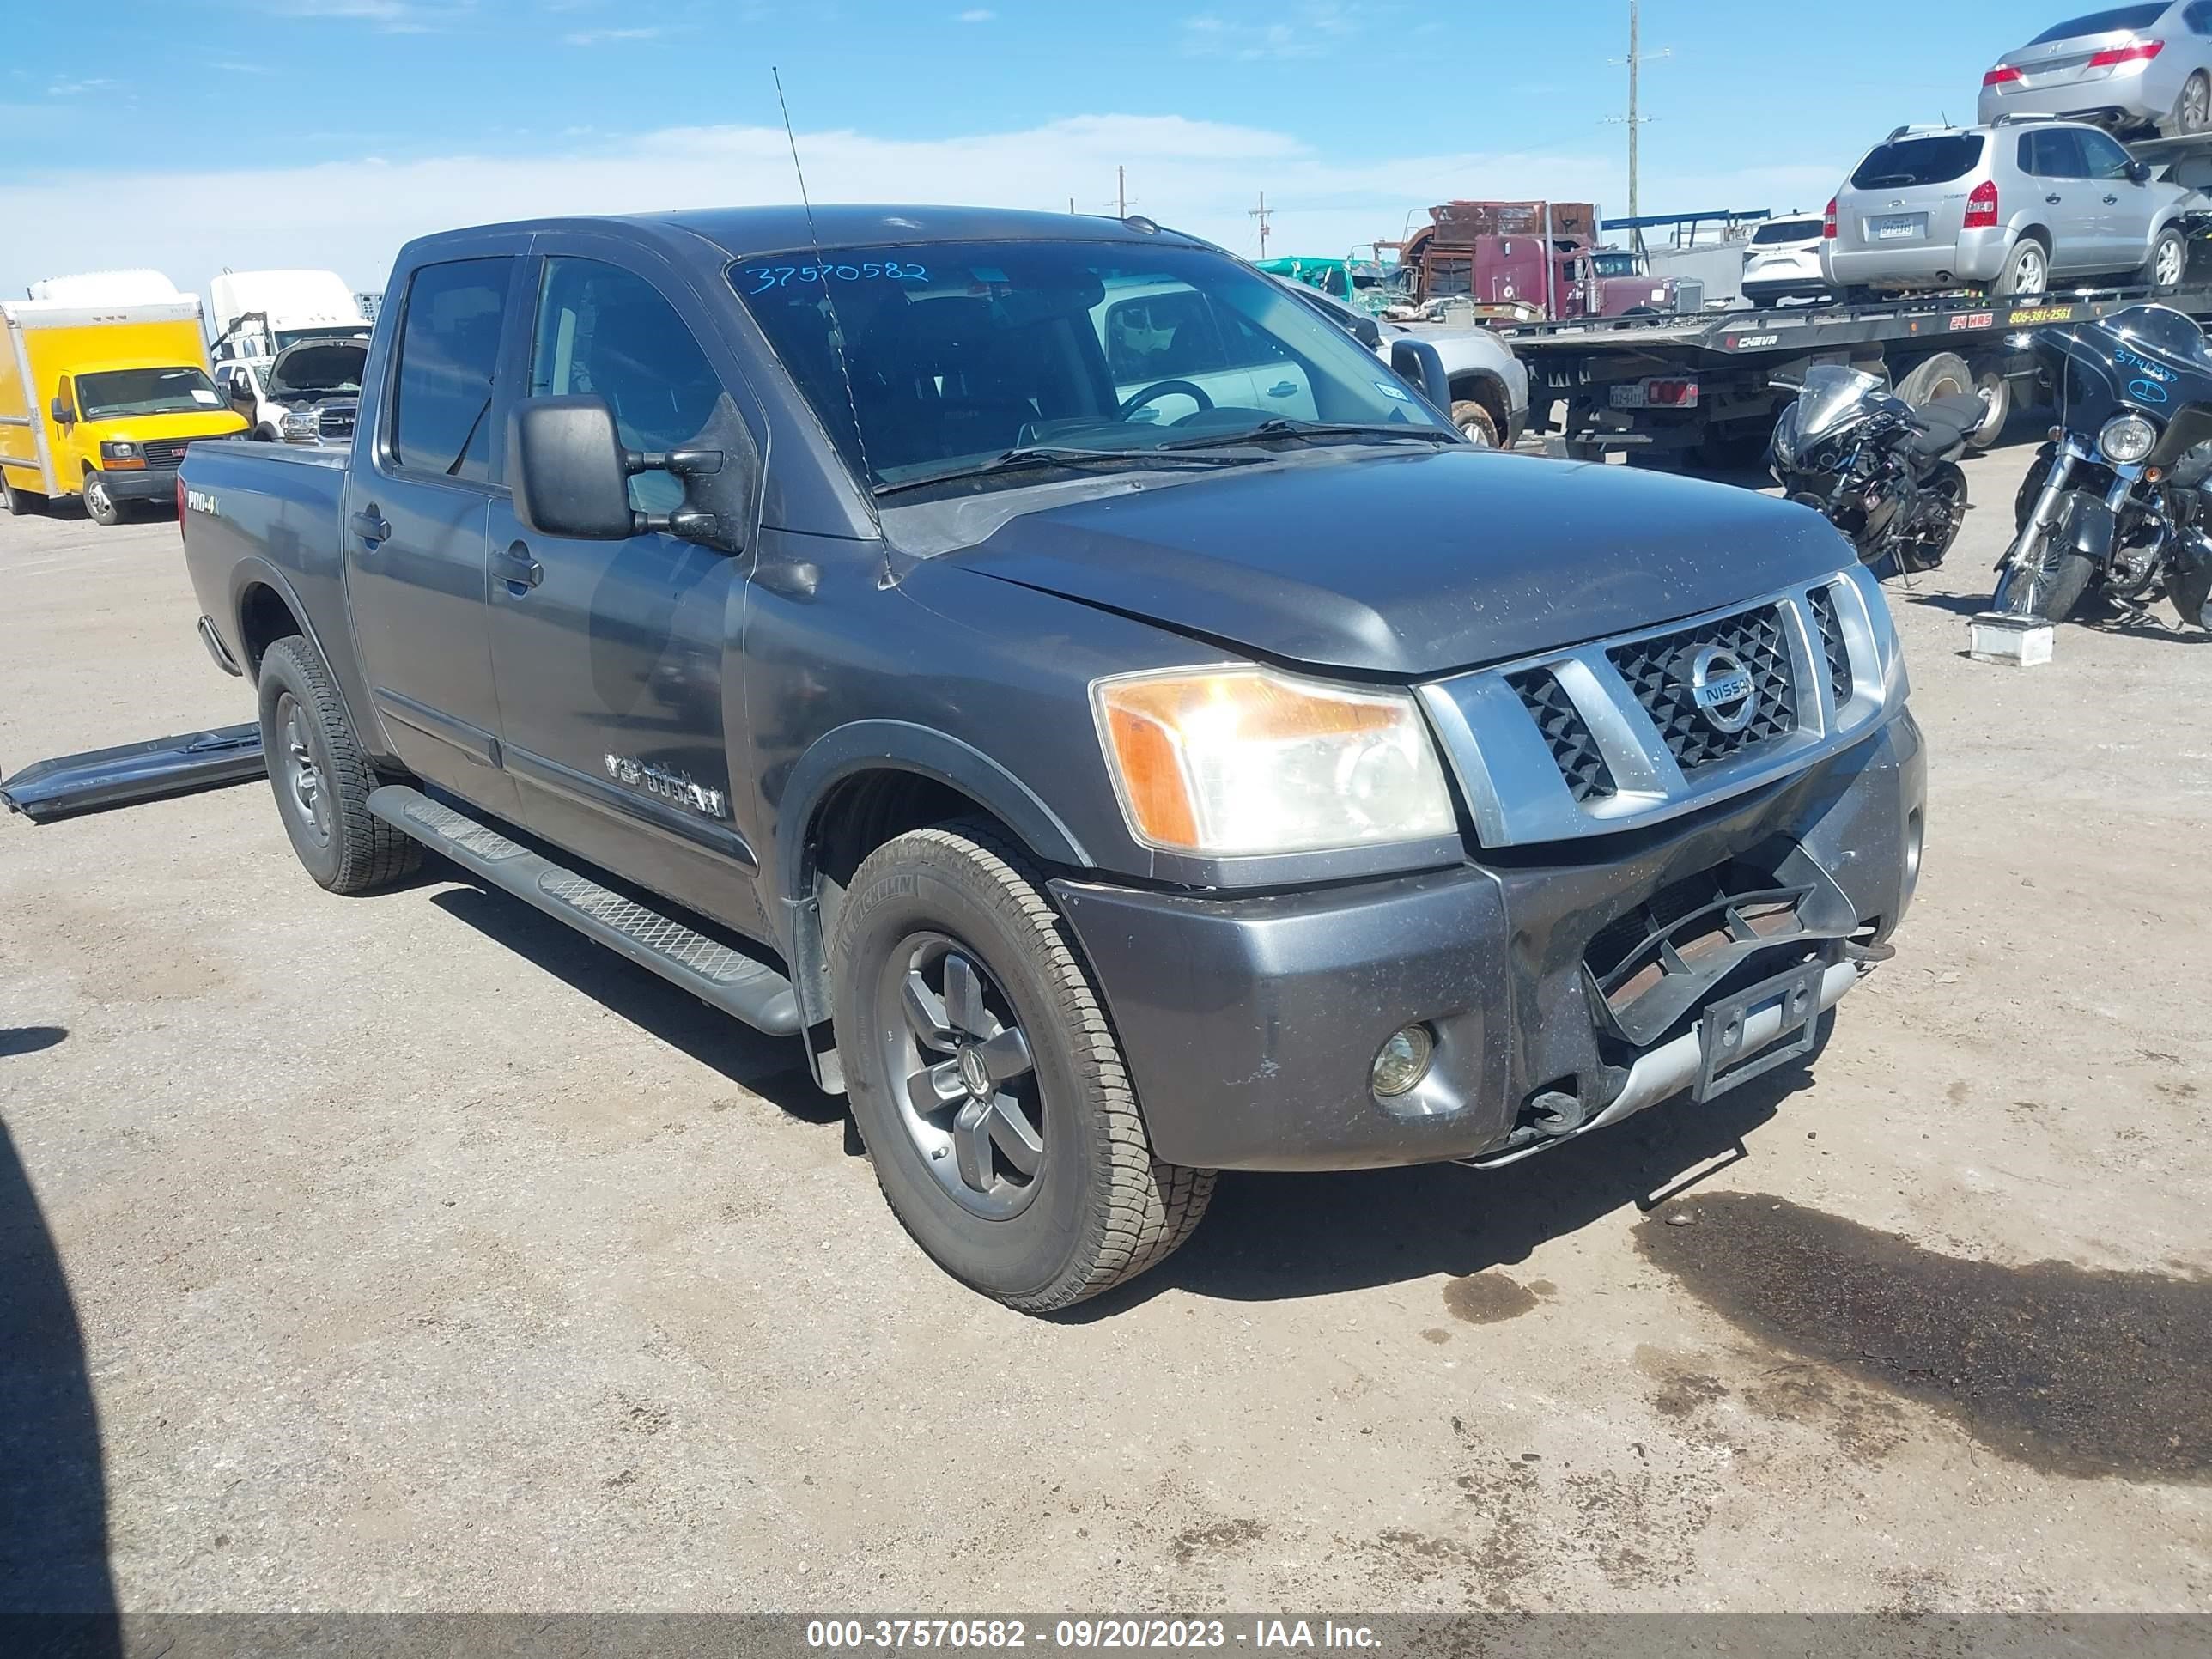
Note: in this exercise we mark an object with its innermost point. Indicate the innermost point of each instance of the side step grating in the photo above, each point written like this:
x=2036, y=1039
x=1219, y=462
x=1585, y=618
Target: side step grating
x=725, y=978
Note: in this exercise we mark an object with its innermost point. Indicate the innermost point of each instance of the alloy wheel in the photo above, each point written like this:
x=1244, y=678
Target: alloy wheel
x=2196, y=104
x=303, y=777
x=2166, y=272
x=969, y=1094
x=2029, y=272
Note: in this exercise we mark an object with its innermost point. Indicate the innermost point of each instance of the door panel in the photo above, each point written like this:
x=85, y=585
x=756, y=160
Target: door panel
x=612, y=657
x=2121, y=207
x=414, y=532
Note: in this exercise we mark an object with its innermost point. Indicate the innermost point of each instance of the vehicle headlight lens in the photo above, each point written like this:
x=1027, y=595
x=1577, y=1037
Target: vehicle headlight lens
x=1229, y=762
x=1888, y=650
x=300, y=423
x=117, y=450
x=2127, y=439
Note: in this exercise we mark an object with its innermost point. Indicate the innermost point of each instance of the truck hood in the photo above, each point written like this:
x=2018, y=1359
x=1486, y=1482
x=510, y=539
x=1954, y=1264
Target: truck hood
x=1411, y=565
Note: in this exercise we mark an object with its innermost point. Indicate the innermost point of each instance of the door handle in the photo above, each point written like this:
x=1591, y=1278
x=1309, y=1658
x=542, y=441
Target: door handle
x=1283, y=389
x=368, y=524
x=517, y=568
x=2110, y=200
x=2054, y=200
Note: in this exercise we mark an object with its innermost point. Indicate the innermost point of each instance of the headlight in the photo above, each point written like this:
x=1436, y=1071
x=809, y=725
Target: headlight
x=1888, y=650
x=117, y=450
x=301, y=423
x=2127, y=439
x=1230, y=763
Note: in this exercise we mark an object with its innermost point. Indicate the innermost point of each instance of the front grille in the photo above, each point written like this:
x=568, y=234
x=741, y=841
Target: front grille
x=1580, y=762
x=1658, y=673
x=1831, y=642
x=335, y=424
x=164, y=451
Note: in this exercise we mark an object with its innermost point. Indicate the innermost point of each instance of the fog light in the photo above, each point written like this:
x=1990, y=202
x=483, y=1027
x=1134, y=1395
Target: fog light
x=1403, y=1060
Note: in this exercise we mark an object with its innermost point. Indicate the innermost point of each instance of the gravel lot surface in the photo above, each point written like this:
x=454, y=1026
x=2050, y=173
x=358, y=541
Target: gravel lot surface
x=412, y=1253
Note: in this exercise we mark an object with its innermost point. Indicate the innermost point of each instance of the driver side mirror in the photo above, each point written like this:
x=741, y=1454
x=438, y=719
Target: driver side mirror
x=570, y=474
x=62, y=414
x=2139, y=172
x=1421, y=366
x=241, y=392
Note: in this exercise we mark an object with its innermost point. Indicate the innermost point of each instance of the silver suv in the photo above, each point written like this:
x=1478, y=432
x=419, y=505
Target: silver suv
x=2010, y=207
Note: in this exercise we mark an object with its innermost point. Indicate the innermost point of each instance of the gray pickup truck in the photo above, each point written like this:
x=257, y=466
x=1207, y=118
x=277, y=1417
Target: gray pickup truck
x=1110, y=779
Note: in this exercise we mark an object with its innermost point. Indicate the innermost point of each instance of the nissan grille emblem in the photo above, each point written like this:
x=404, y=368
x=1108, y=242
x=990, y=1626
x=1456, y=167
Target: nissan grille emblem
x=1723, y=688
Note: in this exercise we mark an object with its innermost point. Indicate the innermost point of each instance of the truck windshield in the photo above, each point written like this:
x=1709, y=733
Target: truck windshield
x=956, y=354
x=114, y=391
x=318, y=371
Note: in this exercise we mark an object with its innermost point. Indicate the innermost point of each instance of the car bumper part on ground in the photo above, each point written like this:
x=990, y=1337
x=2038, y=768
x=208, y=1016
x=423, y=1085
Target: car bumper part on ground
x=1250, y=1025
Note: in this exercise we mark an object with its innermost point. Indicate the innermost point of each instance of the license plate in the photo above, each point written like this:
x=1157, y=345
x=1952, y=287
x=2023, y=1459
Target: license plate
x=1900, y=227
x=1730, y=1032
x=1657, y=393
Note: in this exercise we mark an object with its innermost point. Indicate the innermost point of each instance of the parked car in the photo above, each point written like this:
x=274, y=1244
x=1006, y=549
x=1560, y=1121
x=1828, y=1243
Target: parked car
x=1489, y=386
x=2135, y=68
x=2012, y=207
x=1782, y=261
x=309, y=395
x=1105, y=802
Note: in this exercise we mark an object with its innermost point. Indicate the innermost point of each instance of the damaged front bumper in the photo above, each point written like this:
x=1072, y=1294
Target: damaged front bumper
x=1250, y=1025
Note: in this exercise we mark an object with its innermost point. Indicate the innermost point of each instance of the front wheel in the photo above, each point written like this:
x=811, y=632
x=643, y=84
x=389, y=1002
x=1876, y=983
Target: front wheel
x=2169, y=259
x=2043, y=582
x=1475, y=423
x=2192, y=110
x=99, y=504
x=987, y=1081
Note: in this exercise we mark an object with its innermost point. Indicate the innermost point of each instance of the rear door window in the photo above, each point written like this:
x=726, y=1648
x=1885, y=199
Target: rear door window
x=1907, y=163
x=2198, y=17
x=2057, y=153
x=449, y=348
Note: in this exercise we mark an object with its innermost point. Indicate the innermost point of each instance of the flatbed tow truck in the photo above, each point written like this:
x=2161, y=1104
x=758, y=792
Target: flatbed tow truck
x=1714, y=382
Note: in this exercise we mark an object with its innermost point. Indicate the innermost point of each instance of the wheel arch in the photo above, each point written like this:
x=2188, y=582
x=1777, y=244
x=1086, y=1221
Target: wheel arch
x=1484, y=386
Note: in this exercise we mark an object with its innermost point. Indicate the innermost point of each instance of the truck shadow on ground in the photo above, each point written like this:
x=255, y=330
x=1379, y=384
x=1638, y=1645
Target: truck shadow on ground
x=1275, y=1236
x=53, y=1491
x=774, y=1068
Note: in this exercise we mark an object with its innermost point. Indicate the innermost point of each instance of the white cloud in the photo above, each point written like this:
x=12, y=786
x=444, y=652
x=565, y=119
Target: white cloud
x=1307, y=31
x=68, y=89
x=393, y=16
x=1197, y=176
x=977, y=14
x=599, y=37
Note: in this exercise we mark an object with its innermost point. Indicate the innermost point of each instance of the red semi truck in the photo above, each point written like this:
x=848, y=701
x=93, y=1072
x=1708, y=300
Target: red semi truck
x=1494, y=254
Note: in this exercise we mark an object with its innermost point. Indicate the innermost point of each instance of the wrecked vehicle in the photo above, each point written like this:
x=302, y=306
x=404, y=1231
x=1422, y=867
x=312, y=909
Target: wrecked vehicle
x=1107, y=786
x=310, y=394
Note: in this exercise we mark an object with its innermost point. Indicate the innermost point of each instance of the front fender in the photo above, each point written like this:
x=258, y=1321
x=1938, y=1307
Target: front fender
x=2085, y=525
x=874, y=744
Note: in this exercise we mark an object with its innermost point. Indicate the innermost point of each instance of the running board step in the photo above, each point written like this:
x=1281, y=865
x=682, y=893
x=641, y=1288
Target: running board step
x=726, y=978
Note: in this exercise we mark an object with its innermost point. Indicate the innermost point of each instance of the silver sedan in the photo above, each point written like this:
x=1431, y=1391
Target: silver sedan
x=2129, y=68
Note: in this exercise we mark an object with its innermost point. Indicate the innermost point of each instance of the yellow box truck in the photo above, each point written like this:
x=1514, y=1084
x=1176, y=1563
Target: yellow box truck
x=99, y=401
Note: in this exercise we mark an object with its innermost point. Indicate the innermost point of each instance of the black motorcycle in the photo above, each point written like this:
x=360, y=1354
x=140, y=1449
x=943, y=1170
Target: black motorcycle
x=1883, y=472
x=2121, y=502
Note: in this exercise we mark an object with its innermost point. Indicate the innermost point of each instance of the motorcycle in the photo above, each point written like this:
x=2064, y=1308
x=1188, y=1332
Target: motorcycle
x=1883, y=472
x=2120, y=502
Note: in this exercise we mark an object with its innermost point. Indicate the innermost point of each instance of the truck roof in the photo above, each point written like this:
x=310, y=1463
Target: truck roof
x=746, y=232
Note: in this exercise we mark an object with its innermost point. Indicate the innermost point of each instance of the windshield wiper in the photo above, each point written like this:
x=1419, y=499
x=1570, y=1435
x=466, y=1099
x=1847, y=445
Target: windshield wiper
x=1285, y=428
x=1029, y=456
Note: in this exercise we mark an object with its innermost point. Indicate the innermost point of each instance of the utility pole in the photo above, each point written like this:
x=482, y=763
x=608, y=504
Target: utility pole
x=1260, y=214
x=1120, y=193
x=1636, y=117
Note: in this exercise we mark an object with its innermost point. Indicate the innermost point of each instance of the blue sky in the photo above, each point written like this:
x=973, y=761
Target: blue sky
x=193, y=134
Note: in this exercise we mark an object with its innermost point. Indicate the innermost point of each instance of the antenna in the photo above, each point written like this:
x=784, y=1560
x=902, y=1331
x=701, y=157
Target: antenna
x=829, y=299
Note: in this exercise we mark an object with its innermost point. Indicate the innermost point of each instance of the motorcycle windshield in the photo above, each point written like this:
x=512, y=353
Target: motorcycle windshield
x=1832, y=396
x=2163, y=331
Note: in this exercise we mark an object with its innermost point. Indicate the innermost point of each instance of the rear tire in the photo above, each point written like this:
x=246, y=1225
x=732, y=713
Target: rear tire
x=1477, y=423
x=2028, y=269
x=1945, y=375
x=322, y=778
x=1995, y=386
x=20, y=503
x=1094, y=1207
x=2192, y=110
x=100, y=507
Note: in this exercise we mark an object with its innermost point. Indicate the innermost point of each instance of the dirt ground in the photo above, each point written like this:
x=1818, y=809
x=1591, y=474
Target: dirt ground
x=422, y=1255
